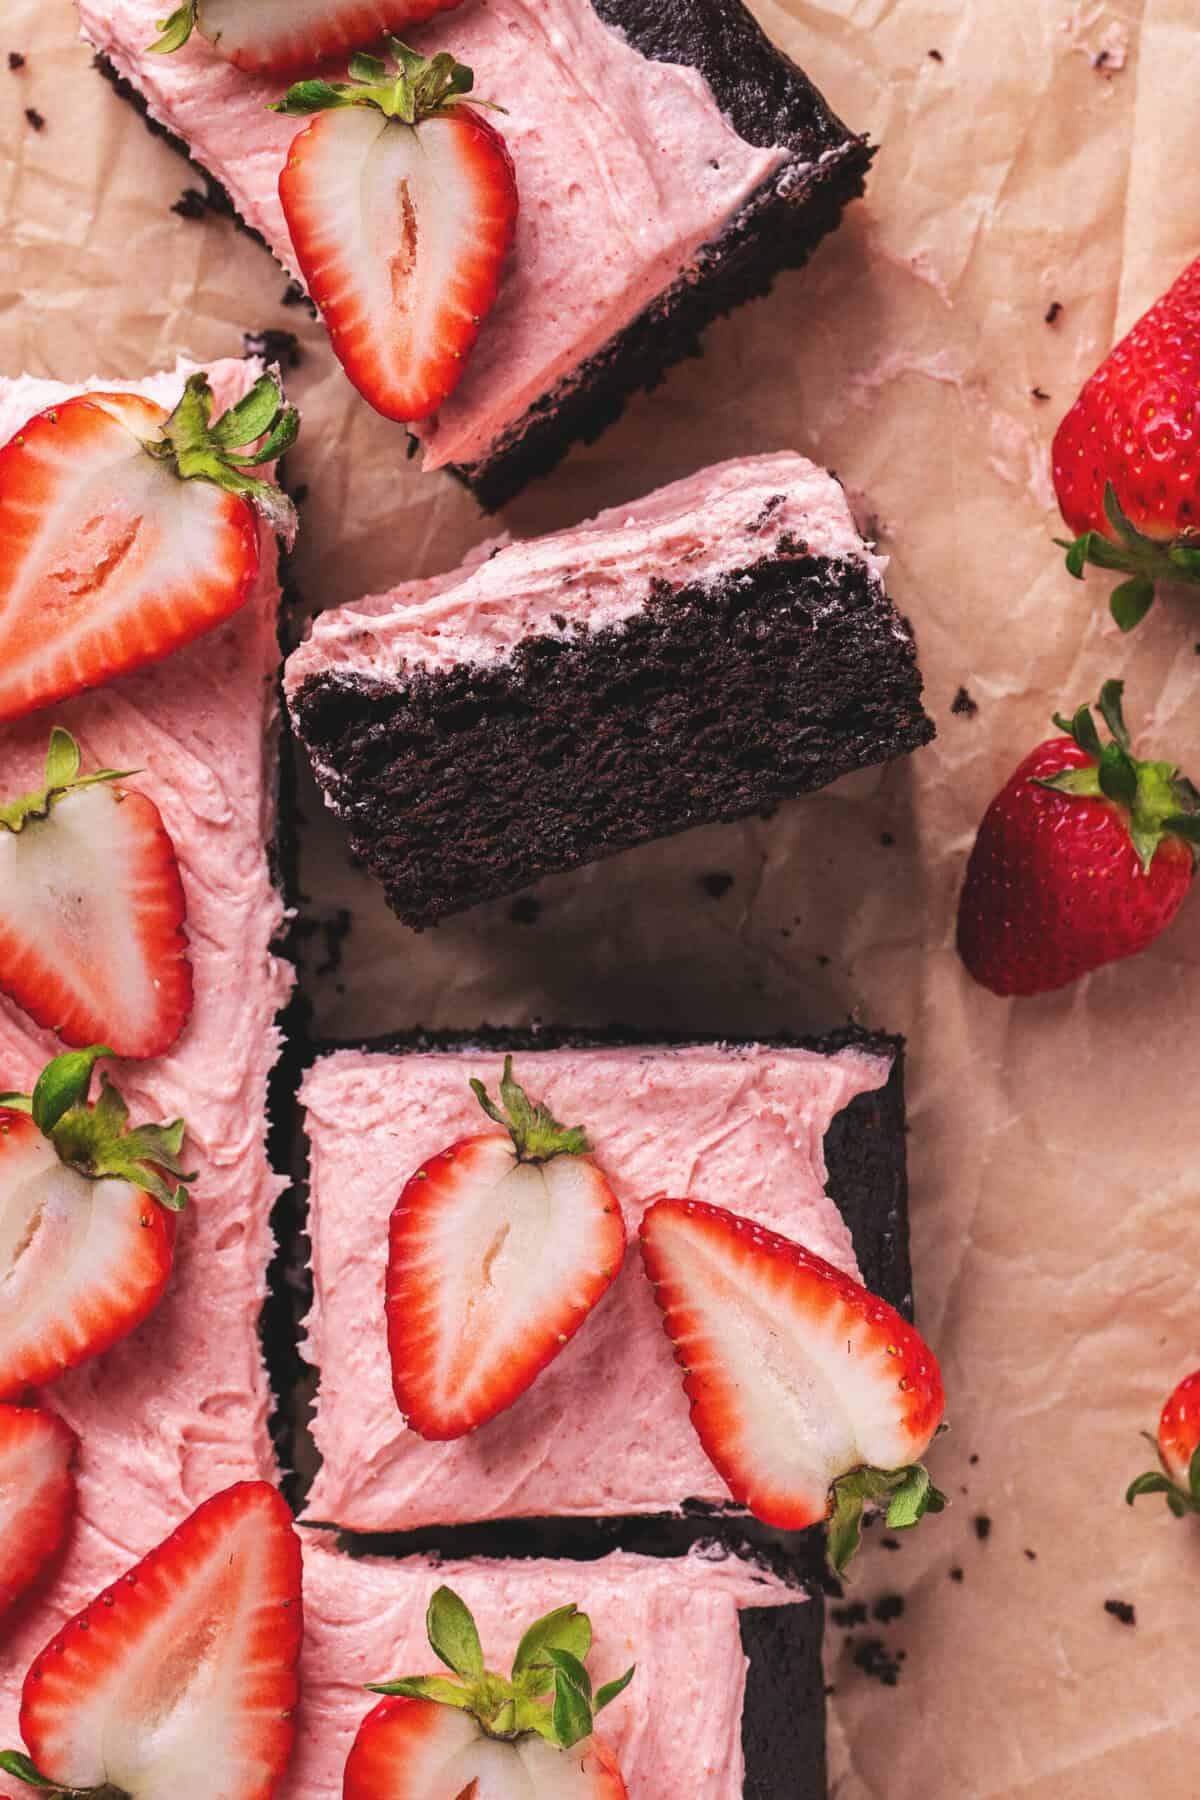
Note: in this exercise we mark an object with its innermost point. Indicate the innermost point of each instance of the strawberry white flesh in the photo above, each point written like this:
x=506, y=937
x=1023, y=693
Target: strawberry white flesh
x=796, y=1374
x=493, y=1265
x=108, y=560
x=82, y=1262
x=37, y=1495
x=179, y=1682
x=285, y=36
x=401, y=233
x=419, y=1750
x=91, y=923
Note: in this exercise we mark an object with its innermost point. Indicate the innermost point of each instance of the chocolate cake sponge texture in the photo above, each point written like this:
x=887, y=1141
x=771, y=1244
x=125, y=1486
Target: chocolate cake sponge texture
x=721, y=693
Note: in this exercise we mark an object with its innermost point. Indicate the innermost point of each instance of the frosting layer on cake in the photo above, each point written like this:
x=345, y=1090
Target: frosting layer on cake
x=626, y=168
x=727, y=518
x=605, y=1429
x=178, y=1410
x=677, y=1619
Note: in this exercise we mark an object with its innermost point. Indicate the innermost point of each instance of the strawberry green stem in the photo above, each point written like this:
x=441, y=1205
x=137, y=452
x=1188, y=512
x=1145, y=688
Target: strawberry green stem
x=414, y=88
x=22, y=1768
x=95, y=1139
x=62, y=777
x=535, y=1132
x=1145, y=560
x=1156, y=800
x=548, y=1691
x=257, y=430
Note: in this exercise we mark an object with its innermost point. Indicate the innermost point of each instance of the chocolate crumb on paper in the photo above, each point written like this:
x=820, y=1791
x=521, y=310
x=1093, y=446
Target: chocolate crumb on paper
x=1122, y=1611
x=35, y=118
x=15, y=60
x=191, y=204
x=956, y=1574
x=983, y=1527
x=1039, y=393
x=274, y=345
x=716, y=883
x=874, y=1658
x=966, y=707
x=887, y=1608
x=1054, y=313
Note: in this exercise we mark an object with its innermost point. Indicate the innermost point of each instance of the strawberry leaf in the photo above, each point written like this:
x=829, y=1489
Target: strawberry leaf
x=453, y=1635
x=175, y=30
x=573, y=1669
x=426, y=1687
x=607, y=1694
x=1131, y=601
x=564, y=1629
x=200, y=450
x=572, y=1712
x=418, y=88
x=63, y=1084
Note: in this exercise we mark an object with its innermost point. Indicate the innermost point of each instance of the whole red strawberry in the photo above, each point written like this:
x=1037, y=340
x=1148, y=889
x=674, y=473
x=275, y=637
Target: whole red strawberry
x=1178, y=1449
x=1083, y=857
x=1127, y=456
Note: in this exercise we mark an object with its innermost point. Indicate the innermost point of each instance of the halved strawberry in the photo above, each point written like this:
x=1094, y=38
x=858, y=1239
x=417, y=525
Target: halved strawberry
x=499, y=1248
x=37, y=1495
x=92, y=943
x=526, y=1736
x=810, y=1395
x=125, y=533
x=402, y=203
x=87, y=1226
x=1178, y=1448
x=179, y=1681
x=278, y=36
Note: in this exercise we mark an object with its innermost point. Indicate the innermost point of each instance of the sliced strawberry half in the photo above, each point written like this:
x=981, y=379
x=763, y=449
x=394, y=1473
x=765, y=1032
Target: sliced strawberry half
x=179, y=1681
x=525, y=1736
x=92, y=909
x=37, y=1495
x=125, y=533
x=499, y=1248
x=402, y=204
x=87, y=1221
x=278, y=37
x=1177, y=1447
x=810, y=1394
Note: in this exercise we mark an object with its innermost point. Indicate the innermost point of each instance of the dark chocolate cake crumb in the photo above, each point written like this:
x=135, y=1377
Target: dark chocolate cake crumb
x=15, y=60
x=334, y=931
x=890, y=1543
x=848, y=1616
x=956, y=1574
x=887, y=1608
x=1039, y=393
x=1121, y=1610
x=974, y=1456
x=1031, y=1555
x=983, y=1527
x=35, y=118
x=525, y=910
x=1052, y=315
x=967, y=707
x=191, y=204
x=937, y=56
x=716, y=883
x=273, y=345
x=874, y=1658
x=294, y=295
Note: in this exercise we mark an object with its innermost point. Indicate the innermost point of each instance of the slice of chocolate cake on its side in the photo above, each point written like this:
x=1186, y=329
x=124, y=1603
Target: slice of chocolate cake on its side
x=668, y=149
x=733, y=1651
x=179, y=1409
x=700, y=655
x=806, y=1139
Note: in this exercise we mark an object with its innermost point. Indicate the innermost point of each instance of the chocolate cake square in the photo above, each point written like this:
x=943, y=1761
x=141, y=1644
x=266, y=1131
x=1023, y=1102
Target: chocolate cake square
x=700, y=655
x=808, y=1139
x=663, y=146
x=722, y=1642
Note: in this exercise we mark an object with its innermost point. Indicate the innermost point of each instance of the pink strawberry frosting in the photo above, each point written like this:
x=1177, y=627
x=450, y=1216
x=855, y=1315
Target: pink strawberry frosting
x=723, y=519
x=179, y=1409
x=626, y=169
x=678, y=1620
x=605, y=1429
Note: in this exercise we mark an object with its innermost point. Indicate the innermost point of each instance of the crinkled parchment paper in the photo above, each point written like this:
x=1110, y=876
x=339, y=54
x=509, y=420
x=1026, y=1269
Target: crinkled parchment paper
x=1046, y=154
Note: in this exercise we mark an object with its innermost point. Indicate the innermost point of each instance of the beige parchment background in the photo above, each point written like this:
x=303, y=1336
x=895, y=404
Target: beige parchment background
x=1052, y=1142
